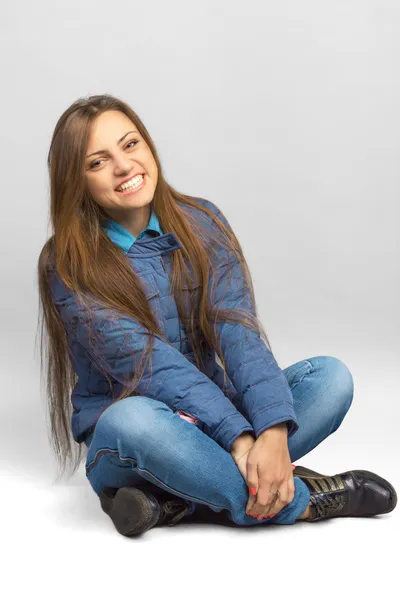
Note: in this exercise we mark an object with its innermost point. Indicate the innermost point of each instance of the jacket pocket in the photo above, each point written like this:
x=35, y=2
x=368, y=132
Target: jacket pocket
x=152, y=294
x=189, y=290
x=192, y=285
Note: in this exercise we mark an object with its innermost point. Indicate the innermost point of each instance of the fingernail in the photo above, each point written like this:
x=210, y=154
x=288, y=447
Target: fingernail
x=253, y=491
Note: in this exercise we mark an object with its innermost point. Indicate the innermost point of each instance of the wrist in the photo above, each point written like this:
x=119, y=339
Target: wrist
x=278, y=429
x=242, y=442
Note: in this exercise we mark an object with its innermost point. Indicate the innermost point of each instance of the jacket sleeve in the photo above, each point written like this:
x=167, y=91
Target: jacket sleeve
x=169, y=377
x=264, y=395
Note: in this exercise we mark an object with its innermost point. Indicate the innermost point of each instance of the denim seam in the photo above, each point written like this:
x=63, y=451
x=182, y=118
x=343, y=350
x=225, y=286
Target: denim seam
x=302, y=377
x=106, y=451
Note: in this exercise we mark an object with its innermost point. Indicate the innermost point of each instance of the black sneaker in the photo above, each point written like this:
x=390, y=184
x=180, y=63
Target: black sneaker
x=135, y=509
x=349, y=494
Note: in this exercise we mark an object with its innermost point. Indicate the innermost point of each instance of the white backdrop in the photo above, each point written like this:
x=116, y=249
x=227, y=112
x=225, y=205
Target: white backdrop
x=285, y=114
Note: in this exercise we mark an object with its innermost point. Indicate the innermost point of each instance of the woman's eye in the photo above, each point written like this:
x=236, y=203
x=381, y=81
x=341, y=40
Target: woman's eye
x=95, y=163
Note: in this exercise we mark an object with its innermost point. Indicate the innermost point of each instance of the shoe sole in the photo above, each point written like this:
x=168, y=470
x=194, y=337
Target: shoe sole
x=131, y=512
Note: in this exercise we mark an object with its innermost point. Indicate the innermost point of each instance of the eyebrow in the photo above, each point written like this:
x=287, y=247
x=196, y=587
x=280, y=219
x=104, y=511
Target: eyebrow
x=119, y=141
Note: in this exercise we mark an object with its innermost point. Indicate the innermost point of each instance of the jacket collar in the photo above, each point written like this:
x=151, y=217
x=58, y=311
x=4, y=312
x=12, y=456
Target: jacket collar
x=150, y=241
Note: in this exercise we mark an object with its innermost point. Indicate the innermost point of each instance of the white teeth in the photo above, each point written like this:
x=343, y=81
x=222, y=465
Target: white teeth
x=132, y=184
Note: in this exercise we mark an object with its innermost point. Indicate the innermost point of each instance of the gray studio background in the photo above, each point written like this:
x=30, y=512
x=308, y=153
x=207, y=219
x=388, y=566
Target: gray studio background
x=285, y=115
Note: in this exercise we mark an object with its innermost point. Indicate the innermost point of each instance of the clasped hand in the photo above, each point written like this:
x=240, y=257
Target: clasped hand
x=266, y=466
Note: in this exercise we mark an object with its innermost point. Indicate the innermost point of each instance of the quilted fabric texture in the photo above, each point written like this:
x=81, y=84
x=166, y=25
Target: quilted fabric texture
x=258, y=394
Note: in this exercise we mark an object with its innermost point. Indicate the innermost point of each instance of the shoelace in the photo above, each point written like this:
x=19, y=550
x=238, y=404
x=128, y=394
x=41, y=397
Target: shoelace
x=169, y=507
x=327, y=505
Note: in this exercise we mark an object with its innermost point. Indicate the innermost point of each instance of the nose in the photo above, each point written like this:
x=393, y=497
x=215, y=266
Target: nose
x=123, y=168
x=122, y=164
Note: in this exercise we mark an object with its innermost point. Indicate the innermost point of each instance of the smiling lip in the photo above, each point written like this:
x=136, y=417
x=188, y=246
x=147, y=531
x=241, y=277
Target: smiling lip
x=129, y=178
x=132, y=191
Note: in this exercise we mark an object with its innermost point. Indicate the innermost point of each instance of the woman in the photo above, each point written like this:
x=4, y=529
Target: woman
x=157, y=360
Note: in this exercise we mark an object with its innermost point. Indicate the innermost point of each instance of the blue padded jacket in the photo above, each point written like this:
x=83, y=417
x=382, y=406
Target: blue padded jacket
x=258, y=394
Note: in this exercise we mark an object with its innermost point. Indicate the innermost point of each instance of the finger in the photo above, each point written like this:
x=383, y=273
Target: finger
x=272, y=498
x=266, y=510
x=282, y=499
x=260, y=506
x=284, y=496
x=291, y=489
x=252, y=483
x=280, y=502
x=250, y=503
x=277, y=503
x=277, y=500
x=272, y=509
x=264, y=496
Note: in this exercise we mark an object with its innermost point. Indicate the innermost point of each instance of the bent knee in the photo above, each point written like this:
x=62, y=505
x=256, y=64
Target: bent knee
x=337, y=381
x=134, y=416
x=340, y=383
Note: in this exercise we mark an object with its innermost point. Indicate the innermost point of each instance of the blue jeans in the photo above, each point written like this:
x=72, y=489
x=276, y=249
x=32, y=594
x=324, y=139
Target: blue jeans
x=139, y=438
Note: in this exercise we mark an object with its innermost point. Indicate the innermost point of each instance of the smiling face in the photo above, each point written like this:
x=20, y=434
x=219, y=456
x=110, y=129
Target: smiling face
x=116, y=152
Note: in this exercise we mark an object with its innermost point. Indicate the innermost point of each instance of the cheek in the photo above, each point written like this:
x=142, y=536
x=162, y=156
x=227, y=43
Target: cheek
x=149, y=164
x=100, y=187
x=101, y=196
x=153, y=170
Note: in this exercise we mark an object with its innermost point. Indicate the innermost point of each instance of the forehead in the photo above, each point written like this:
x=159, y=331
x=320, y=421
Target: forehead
x=108, y=128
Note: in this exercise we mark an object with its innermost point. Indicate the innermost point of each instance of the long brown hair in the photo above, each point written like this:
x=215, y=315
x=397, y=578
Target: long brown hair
x=90, y=264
